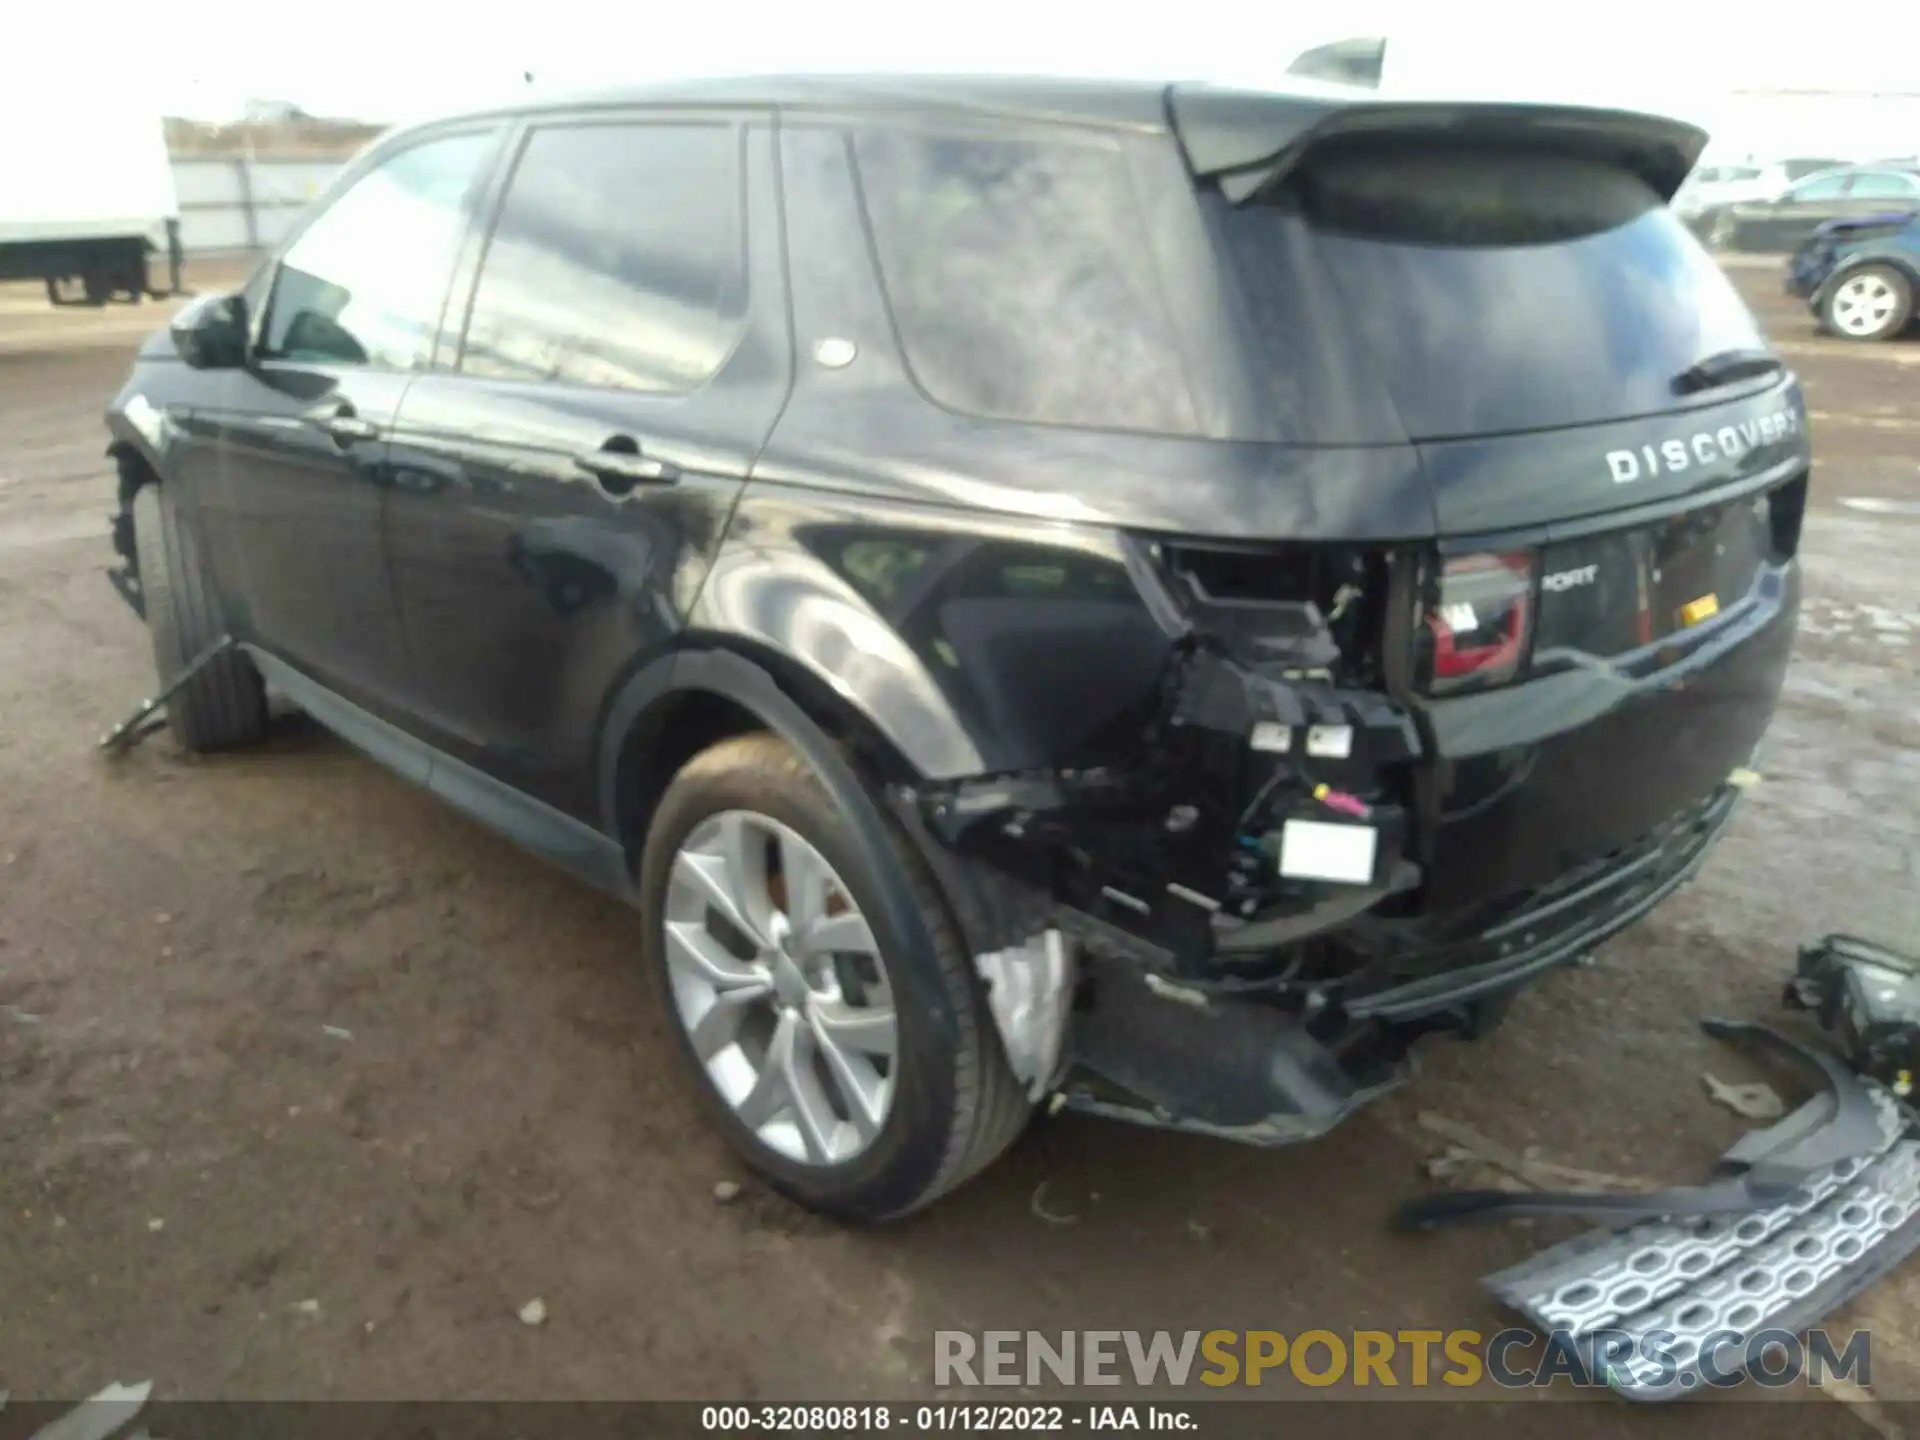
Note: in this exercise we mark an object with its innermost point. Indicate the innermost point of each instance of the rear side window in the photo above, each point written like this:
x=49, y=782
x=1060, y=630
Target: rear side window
x=1483, y=291
x=617, y=260
x=1827, y=187
x=1885, y=185
x=364, y=283
x=1020, y=280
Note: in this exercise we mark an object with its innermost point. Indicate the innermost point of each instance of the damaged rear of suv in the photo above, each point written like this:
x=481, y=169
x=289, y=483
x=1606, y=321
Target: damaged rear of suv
x=1401, y=582
x=1230, y=583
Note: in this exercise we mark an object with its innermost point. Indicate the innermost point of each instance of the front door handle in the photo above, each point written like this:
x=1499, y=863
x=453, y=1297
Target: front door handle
x=618, y=470
x=343, y=425
x=350, y=429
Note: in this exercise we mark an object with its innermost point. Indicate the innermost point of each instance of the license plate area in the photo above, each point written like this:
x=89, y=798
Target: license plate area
x=1616, y=592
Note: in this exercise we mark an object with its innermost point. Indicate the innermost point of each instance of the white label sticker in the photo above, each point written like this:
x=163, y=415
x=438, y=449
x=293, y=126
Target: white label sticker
x=1332, y=742
x=1315, y=850
x=1272, y=737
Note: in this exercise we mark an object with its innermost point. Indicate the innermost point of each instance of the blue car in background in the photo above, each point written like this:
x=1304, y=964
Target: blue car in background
x=1860, y=276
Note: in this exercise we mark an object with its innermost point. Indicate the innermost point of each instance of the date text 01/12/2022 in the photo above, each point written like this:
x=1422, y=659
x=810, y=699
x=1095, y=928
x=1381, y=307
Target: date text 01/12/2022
x=933, y=1419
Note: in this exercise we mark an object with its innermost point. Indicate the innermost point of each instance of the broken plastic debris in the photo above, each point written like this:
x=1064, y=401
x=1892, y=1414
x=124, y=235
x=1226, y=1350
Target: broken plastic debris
x=1039, y=1207
x=156, y=1225
x=1182, y=994
x=726, y=1192
x=1529, y=1171
x=99, y=1415
x=308, y=1307
x=534, y=1312
x=338, y=1032
x=1741, y=778
x=1753, y=1102
x=1860, y=1401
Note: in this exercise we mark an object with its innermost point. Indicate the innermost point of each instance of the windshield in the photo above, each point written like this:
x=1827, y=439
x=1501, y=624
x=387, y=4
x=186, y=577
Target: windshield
x=1486, y=290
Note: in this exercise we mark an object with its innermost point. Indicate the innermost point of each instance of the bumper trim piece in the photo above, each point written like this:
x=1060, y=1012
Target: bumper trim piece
x=1665, y=1305
x=1686, y=1298
x=1849, y=1120
x=1568, y=924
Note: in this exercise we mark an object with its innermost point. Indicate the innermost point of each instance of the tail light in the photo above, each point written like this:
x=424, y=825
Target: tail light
x=1480, y=622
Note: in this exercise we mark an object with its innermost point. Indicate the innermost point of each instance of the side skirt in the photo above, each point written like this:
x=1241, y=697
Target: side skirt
x=574, y=847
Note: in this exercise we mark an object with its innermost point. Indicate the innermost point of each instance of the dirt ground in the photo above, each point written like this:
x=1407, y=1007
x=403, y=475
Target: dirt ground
x=307, y=1084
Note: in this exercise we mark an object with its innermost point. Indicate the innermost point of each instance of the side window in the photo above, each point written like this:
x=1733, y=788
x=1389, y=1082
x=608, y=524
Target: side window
x=1020, y=281
x=618, y=259
x=363, y=284
x=1826, y=187
x=1885, y=184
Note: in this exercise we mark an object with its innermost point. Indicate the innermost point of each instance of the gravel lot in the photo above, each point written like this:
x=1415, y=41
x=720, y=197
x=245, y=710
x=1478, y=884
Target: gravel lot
x=279, y=1029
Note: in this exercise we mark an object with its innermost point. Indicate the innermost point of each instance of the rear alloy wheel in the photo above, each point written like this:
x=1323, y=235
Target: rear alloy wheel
x=819, y=988
x=780, y=985
x=1875, y=302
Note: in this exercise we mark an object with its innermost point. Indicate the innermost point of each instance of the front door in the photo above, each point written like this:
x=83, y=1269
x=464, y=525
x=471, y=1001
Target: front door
x=349, y=320
x=1785, y=222
x=560, y=490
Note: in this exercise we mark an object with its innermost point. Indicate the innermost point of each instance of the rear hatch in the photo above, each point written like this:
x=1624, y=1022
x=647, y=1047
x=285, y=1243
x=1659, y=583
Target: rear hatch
x=1615, y=460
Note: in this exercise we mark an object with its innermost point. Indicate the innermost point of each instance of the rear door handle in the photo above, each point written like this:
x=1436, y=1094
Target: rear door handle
x=619, y=471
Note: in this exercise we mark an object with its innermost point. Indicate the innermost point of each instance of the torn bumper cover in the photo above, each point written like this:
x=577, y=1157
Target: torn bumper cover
x=1227, y=978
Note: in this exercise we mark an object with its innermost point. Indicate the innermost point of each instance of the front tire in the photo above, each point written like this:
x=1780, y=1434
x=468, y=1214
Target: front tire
x=1874, y=302
x=852, y=1063
x=225, y=705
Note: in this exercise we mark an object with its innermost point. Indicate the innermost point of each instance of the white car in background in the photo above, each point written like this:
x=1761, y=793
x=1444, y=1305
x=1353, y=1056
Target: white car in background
x=1711, y=186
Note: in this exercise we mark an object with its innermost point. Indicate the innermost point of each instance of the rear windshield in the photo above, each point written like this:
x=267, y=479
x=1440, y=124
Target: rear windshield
x=1486, y=291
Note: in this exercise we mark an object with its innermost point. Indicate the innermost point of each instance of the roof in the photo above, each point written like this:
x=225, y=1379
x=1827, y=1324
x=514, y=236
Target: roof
x=1247, y=137
x=1132, y=104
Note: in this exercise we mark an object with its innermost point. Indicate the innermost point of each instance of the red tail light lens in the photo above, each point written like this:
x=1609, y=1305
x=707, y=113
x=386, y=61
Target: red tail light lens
x=1481, y=621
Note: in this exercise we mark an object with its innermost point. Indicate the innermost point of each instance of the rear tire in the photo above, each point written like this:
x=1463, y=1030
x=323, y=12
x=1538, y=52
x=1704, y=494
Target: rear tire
x=225, y=705
x=954, y=1105
x=1872, y=303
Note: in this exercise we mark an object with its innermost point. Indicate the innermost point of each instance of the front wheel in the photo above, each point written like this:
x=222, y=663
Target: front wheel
x=225, y=705
x=1874, y=302
x=853, y=1063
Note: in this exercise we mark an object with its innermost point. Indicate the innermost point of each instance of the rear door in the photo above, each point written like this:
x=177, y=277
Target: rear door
x=563, y=477
x=350, y=314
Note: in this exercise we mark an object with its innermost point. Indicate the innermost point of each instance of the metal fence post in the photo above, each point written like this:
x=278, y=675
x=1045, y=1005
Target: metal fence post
x=243, y=168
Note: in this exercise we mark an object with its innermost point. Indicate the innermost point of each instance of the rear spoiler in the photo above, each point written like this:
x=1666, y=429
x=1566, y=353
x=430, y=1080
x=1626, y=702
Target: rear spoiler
x=1245, y=140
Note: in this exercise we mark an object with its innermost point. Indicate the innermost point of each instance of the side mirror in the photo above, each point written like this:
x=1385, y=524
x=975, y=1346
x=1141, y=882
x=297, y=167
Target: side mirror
x=211, y=332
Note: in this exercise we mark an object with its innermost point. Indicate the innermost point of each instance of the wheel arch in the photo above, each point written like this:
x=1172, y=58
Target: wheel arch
x=681, y=703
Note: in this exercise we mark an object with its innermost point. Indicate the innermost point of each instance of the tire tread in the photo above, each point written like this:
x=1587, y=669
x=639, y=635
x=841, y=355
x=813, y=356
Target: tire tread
x=224, y=706
x=990, y=1107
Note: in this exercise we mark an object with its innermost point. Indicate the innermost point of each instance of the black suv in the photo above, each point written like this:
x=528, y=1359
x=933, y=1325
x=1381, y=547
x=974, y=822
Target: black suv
x=1140, y=598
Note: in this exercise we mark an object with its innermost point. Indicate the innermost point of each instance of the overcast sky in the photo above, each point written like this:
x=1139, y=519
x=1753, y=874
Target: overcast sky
x=402, y=59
